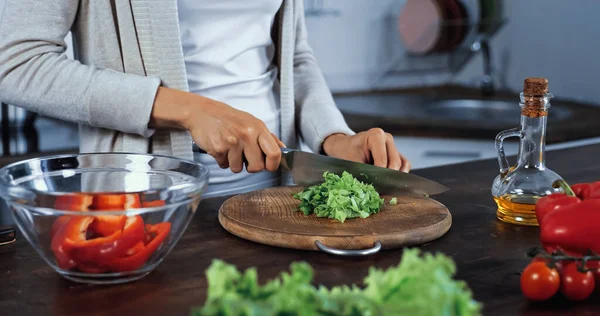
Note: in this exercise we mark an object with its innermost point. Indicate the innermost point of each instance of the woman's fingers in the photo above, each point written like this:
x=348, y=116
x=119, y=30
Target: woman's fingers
x=279, y=142
x=405, y=163
x=271, y=147
x=222, y=160
x=394, y=159
x=377, y=145
x=262, y=153
x=235, y=158
x=384, y=151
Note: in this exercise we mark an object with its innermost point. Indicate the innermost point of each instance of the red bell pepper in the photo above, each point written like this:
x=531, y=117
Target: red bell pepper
x=574, y=228
x=58, y=223
x=132, y=201
x=586, y=191
x=73, y=230
x=91, y=268
x=581, y=190
x=102, y=243
x=551, y=203
x=78, y=202
x=140, y=253
x=568, y=223
x=102, y=250
x=106, y=225
x=113, y=202
x=116, y=202
x=155, y=203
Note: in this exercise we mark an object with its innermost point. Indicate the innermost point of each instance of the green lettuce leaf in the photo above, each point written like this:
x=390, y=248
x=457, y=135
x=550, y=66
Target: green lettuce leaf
x=340, y=198
x=418, y=285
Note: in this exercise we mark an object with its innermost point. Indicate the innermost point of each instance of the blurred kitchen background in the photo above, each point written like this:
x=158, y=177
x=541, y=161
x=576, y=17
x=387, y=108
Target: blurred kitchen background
x=442, y=75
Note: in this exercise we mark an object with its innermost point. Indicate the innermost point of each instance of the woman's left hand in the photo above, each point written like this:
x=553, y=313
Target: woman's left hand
x=373, y=146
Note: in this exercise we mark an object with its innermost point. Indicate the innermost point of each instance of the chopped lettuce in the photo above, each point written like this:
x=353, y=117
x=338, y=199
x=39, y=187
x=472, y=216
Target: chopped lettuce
x=418, y=285
x=393, y=201
x=340, y=198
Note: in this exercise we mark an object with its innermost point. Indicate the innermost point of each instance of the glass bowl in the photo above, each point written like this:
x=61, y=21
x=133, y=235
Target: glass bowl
x=103, y=218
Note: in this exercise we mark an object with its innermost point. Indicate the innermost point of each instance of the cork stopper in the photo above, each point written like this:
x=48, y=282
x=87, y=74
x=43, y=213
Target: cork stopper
x=535, y=86
x=534, y=92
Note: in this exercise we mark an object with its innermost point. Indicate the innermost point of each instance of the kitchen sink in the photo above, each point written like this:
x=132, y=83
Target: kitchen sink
x=485, y=110
x=460, y=113
x=476, y=113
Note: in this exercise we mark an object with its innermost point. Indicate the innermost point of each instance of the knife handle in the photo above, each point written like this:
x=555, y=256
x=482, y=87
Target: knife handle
x=8, y=235
x=199, y=150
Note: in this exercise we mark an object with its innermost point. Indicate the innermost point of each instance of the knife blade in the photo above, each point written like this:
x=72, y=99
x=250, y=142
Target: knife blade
x=308, y=168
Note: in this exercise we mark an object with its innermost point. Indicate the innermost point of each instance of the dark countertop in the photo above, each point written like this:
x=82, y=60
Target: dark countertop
x=489, y=255
x=362, y=111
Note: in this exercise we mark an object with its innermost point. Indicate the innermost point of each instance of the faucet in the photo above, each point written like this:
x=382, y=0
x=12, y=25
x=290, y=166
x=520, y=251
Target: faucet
x=487, y=82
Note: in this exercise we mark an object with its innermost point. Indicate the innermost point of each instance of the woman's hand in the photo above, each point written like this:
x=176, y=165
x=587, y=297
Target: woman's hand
x=229, y=135
x=373, y=146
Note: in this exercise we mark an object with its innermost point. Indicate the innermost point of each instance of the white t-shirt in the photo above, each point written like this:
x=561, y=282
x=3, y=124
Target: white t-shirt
x=229, y=57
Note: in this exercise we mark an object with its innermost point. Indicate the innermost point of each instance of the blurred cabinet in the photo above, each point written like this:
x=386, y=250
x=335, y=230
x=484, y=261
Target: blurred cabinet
x=424, y=152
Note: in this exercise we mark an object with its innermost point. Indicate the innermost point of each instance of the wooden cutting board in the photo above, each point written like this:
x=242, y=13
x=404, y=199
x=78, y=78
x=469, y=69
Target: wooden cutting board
x=268, y=217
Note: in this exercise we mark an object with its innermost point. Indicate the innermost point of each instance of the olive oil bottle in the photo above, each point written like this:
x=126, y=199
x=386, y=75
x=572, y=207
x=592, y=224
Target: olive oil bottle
x=517, y=188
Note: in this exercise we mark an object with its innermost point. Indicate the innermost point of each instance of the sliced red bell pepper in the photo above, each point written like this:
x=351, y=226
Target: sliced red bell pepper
x=135, y=249
x=103, y=250
x=73, y=230
x=132, y=201
x=113, y=202
x=91, y=268
x=155, y=203
x=141, y=254
x=116, y=202
x=79, y=202
x=106, y=225
x=58, y=223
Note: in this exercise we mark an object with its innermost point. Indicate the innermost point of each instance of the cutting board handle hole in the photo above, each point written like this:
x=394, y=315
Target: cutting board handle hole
x=343, y=252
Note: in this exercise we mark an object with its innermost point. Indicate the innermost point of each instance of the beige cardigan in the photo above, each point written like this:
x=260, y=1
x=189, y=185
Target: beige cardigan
x=124, y=50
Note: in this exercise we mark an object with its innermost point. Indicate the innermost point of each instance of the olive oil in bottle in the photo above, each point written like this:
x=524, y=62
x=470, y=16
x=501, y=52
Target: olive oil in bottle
x=516, y=209
x=516, y=189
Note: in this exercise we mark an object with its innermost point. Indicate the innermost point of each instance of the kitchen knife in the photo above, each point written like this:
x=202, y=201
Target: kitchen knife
x=308, y=168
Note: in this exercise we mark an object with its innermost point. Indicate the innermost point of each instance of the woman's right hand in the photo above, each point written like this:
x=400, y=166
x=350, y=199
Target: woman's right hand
x=231, y=136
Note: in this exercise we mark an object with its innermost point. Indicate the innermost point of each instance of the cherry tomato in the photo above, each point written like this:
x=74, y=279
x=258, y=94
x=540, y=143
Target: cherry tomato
x=575, y=285
x=539, y=282
x=594, y=265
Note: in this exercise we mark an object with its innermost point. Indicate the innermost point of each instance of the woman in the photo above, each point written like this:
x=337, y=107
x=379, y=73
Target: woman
x=236, y=77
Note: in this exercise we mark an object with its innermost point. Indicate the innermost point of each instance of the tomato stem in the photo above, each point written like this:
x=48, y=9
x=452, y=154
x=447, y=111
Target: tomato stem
x=558, y=256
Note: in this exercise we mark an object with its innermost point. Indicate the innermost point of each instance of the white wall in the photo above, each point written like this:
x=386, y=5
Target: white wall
x=356, y=46
x=556, y=39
